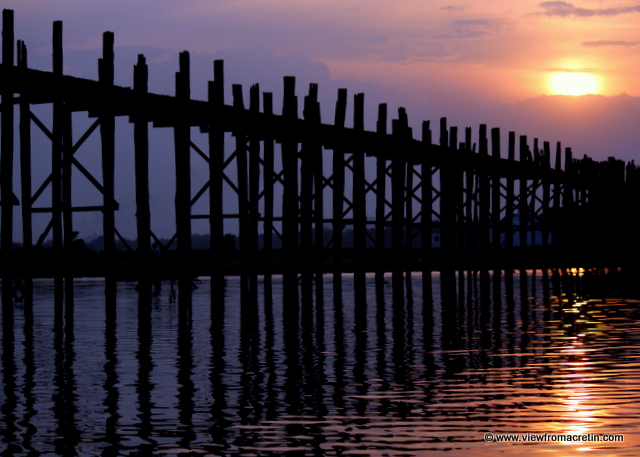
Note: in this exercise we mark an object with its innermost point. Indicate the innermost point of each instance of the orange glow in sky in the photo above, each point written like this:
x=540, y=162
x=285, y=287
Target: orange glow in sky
x=568, y=83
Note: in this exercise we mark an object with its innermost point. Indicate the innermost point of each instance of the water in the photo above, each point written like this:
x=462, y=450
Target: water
x=357, y=369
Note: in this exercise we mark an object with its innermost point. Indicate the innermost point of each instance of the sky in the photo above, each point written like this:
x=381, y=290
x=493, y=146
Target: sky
x=480, y=61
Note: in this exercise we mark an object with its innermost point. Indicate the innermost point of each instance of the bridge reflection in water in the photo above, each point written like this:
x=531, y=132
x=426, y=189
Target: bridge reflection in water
x=341, y=367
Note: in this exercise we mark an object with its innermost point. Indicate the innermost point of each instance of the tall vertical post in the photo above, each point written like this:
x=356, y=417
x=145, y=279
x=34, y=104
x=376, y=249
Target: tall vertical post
x=268, y=187
x=568, y=196
x=469, y=226
x=510, y=194
x=254, y=180
x=242, y=181
x=290, y=187
x=107, y=138
x=216, y=172
x=56, y=145
x=359, y=200
x=398, y=188
x=381, y=189
x=338, y=183
x=67, y=157
x=25, y=159
x=318, y=187
x=182, y=149
x=427, y=196
x=546, y=194
x=524, y=195
x=484, y=191
x=447, y=188
x=141, y=158
x=496, y=192
x=306, y=190
x=6, y=142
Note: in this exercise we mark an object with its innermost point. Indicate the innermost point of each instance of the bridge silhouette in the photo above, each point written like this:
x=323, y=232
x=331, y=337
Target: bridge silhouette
x=298, y=184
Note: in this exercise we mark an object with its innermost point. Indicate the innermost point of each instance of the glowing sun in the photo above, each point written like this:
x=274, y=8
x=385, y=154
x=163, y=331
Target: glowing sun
x=574, y=83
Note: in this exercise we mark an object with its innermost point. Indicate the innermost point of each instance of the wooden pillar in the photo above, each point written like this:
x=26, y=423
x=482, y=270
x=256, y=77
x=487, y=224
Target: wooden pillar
x=67, y=158
x=290, y=187
x=306, y=190
x=456, y=189
x=216, y=172
x=338, y=183
x=468, y=225
x=427, y=197
x=398, y=188
x=254, y=181
x=107, y=137
x=318, y=188
x=6, y=141
x=509, y=213
x=381, y=189
x=25, y=159
x=447, y=188
x=359, y=200
x=56, y=146
x=496, y=192
x=242, y=181
x=182, y=145
x=484, y=193
x=568, y=198
x=524, y=195
x=268, y=188
x=546, y=194
x=141, y=157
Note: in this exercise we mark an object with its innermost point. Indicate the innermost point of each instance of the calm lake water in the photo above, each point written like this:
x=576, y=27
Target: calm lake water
x=343, y=367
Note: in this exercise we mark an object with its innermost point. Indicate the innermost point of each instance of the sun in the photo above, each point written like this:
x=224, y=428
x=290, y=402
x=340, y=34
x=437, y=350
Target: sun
x=573, y=83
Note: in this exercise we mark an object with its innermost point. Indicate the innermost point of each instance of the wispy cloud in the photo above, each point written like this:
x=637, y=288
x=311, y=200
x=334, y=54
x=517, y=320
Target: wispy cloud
x=595, y=44
x=452, y=8
x=564, y=9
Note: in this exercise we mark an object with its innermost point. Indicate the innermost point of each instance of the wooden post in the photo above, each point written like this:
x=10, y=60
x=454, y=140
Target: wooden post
x=484, y=191
x=398, y=180
x=141, y=155
x=427, y=197
x=56, y=145
x=496, y=191
x=546, y=194
x=6, y=141
x=359, y=200
x=381, y=190
x=182, y=145
x=107, y=137
x=567, y=201
x=306, y=190
x=67, y=158
x=290, y=187
x=318, y=186
x=524, y=195
x=25, y=159
x=242, y=181
x=268, y=188
x=254, y=181
x=216, y=172
x=338, y=183
x=509, y=213
x=447, y=188
x=468, y=226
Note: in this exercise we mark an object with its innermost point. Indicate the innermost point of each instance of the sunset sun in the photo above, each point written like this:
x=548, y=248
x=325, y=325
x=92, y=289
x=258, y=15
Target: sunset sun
x=574, y=84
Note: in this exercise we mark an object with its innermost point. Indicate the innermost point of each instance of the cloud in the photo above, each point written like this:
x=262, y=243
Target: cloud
x=469, y=29
x=564, y=9
x=595, y=44
x=452, y=8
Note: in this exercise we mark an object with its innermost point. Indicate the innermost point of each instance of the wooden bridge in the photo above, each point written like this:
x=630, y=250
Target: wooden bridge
x=298, y=183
